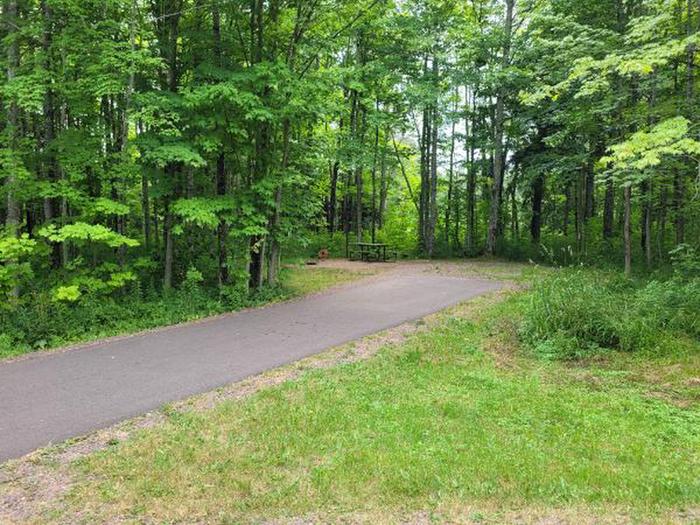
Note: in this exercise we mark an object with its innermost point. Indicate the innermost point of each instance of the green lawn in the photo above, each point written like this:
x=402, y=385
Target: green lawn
x=454, y=423
x=303, y=280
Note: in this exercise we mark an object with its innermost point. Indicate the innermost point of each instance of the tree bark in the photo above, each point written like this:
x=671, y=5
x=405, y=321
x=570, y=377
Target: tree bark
x=359, y=187
x=471, y=187
x=661, y=228
x=333, y=198
x=537, y=197
x=49, y=162
x=424, y=197
x=357, y=121
x=374, y=182
x=169, y=251
x=167, y=30
x=609, y=208
x=646, y=222
x=498, y=166
x=627, y=193
x=257, y=258
x=690, y=61
x=590, y=193
x=13, y=211
x=383, y=184
x=679, y=178
x=260, y=161
x=146, y=205
x=580, y=216
x=425, y=182
x=450, y=180
x=567, y=209
x=411, y=193
x=432, y=209
x=222, y=229
x=514, y=219
x=221, y=176
x=275, y=250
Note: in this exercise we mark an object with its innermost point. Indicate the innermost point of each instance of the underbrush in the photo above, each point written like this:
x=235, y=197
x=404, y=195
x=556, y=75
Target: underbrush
x=40, y=322
x=578, y=312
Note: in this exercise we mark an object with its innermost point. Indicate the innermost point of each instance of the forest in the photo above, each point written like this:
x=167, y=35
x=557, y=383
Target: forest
x=169, y=155
x=175, y=346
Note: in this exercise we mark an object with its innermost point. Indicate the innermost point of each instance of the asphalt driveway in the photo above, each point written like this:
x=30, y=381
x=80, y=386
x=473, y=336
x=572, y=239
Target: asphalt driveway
x=50, y=397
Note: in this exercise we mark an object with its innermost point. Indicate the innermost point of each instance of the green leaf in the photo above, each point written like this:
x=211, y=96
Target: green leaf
x=83, y=232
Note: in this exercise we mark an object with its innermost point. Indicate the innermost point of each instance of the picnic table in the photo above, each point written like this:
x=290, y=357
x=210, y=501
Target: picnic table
x=372, y=252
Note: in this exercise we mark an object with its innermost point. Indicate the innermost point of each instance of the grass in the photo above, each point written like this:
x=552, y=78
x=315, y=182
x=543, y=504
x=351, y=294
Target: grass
x=50, y=325
x=455, y=422
x=576, y=313
x=298, y=280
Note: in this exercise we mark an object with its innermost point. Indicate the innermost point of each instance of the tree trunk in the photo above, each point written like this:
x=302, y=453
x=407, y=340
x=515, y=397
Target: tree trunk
x=678, y=206
x=411, y=193
x=647, y=189
x=347, y=206
x=690, y=62
x=627, y=192
x=450, y=180
x=168, y=35
x=424, y=197
x=679, y=182
x=333, y=198
x=168, y=241
x=646, y=225
x=609, y=208
x=537, y=197
x=590, y=191
x=590, y=195
x=358, y=135
x=580, y=202
x=273, y=265
x=359, y=193
x=661, y=228
x=470, y=240
x=146, y=205
x=498, y=164
x=383, y=184
x=260, y=161
x=567, y=209
x=13, y=212
x=12, y=219
x=424, y=182
x=374, y=182
x=433, y=168
x=221, y=177
x=514, y=222
x=257, y=258
x=156, y=222
x=471, y=210
x=48, y=125
x=222, y=230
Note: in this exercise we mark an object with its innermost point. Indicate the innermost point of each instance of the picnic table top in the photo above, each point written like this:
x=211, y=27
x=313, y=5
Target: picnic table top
x=370, y=244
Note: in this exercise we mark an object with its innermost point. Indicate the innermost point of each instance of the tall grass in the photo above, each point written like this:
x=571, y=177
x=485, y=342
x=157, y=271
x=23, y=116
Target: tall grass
x=578, y=312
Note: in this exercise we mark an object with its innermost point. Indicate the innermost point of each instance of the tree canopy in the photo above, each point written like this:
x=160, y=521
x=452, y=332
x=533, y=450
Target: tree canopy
x=144, y=140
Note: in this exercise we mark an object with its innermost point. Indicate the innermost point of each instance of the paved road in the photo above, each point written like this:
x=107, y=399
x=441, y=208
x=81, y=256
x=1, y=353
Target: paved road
x=51, y=397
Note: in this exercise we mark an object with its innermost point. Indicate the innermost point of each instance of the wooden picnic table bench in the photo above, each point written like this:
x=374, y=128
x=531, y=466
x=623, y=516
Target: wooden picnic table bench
x=372, y=252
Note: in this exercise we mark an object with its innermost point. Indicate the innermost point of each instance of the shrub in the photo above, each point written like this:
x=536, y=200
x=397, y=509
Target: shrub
x=9, y=347
x=578, y=312
x=671, y=305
